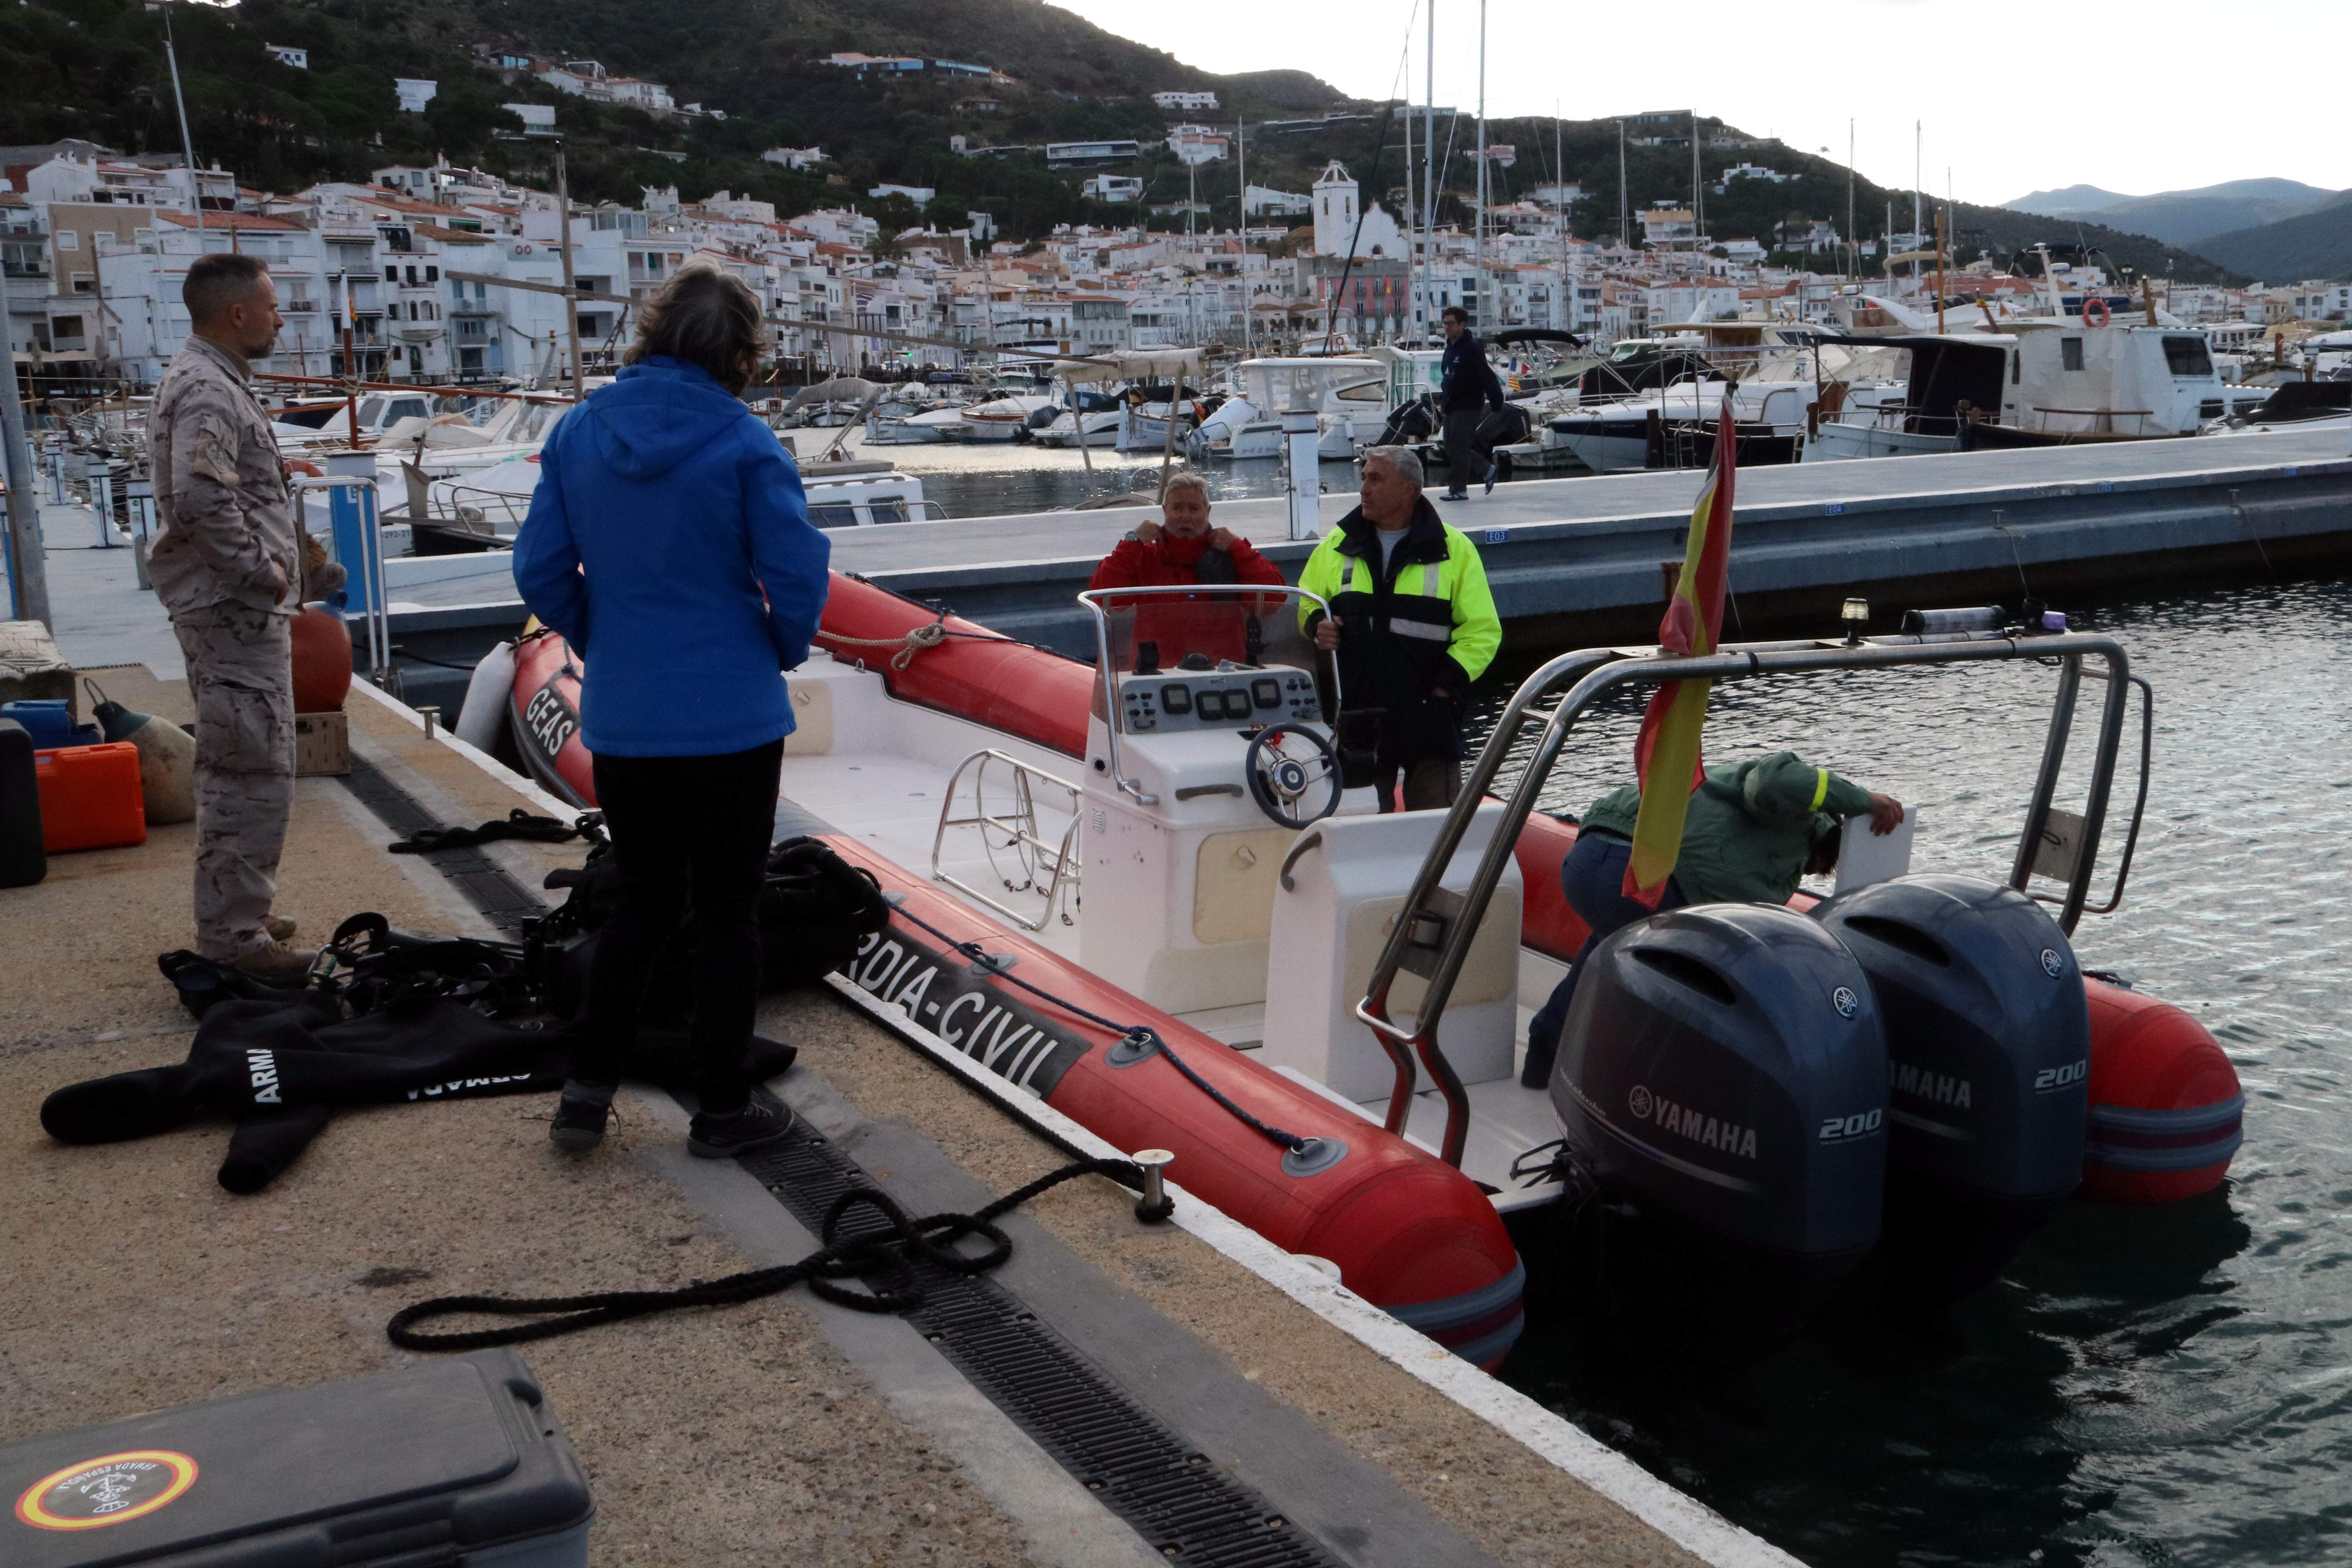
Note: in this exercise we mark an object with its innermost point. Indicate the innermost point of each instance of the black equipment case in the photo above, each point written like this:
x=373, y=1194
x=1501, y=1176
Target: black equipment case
x=437, y=1465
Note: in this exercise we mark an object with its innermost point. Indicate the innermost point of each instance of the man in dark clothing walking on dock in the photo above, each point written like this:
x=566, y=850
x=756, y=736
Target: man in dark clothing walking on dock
x=1467, y=387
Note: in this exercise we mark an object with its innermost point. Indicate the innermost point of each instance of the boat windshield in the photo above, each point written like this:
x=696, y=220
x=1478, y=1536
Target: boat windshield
x=1157, y=639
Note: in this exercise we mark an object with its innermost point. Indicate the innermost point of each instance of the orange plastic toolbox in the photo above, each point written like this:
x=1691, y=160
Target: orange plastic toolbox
x=89, y=797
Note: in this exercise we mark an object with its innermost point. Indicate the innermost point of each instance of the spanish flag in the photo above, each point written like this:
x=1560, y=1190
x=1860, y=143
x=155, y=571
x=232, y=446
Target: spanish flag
x=1666, y=756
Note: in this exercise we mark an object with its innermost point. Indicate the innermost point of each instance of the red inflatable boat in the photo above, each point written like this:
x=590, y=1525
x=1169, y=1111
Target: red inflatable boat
x=1408, y=1231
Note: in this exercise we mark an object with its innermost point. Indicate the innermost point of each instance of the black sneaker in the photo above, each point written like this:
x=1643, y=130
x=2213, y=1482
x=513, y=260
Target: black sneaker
x=580, y=1116
x=1492, y=469
x=764, y=1123
x=1455, y=495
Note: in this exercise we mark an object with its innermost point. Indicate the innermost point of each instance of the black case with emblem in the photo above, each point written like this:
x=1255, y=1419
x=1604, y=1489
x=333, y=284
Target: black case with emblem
x=446, y=1462
x=1722, y=1076
x=1988, y=1048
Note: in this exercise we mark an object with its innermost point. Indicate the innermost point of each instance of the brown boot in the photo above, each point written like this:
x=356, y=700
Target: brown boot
x=280, y=927
x=277, y=965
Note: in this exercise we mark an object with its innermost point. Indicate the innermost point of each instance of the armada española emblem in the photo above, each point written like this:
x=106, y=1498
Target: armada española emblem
x=1638, y=1102
x=107, y=1490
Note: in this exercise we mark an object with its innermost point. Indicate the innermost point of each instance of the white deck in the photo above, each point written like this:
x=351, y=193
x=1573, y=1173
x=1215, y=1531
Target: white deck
x=883, y=782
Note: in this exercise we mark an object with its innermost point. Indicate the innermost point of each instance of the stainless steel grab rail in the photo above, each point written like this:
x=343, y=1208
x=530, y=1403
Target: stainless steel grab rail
x=1434, y=932
x=1060, y=860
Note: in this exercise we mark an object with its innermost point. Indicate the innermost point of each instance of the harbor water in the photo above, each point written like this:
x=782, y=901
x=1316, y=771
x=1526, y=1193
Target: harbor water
x=2144, y=1386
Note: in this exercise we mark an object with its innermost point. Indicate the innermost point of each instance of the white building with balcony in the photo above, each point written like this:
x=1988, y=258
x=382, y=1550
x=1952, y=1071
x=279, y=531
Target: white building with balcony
x=1111, y=188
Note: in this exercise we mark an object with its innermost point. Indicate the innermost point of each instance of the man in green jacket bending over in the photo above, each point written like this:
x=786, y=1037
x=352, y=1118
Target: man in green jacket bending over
x=1753, y=830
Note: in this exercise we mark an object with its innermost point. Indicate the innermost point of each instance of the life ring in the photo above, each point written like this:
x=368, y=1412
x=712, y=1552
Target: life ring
x=2091, y=304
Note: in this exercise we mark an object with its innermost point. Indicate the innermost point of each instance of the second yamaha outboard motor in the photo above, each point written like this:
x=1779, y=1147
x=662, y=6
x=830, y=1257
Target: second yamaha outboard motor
x=1722, y=1076
x=1988, y=1063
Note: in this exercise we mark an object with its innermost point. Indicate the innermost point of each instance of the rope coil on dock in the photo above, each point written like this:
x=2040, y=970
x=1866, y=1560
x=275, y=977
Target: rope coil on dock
x=902, y=1240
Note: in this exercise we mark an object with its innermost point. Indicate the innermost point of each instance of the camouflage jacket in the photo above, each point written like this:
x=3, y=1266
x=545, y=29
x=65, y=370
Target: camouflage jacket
x=224, y=514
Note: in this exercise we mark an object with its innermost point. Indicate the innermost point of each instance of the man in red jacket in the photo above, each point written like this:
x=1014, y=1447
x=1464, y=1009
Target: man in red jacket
x=1182, y=551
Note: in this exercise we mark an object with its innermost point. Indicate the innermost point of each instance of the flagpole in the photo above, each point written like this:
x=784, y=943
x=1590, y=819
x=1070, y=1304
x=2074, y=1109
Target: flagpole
x=1667, y=757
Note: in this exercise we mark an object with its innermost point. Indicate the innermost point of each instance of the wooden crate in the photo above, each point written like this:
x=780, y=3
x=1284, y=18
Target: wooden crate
x=322, y=744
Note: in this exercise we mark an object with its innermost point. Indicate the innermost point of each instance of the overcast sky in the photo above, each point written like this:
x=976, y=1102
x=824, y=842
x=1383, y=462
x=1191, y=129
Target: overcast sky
x=2131, y=99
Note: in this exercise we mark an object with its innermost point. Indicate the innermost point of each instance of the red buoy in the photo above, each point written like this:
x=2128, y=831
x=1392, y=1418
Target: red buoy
x=323, y=660
x=2167, y=1112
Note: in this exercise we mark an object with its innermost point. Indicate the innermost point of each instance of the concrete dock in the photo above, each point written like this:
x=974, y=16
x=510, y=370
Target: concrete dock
x=1579, y=560
x=786, y=1430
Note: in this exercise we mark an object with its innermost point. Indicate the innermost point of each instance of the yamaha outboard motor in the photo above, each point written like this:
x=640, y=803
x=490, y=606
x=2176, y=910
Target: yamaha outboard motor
x=1988, y=1066
x=1722, y=1076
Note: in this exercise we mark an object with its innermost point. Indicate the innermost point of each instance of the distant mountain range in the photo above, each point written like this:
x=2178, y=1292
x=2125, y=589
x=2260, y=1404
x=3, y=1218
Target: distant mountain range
x=2312, y=245
x=2181, y=217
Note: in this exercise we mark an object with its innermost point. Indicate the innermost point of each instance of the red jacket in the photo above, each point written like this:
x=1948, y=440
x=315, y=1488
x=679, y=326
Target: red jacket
x=1183, y=624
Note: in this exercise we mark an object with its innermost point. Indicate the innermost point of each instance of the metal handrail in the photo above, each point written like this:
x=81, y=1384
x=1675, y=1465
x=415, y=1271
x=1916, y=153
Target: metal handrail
x=1092, y=598
x=1022, y=826
x=1448, y=930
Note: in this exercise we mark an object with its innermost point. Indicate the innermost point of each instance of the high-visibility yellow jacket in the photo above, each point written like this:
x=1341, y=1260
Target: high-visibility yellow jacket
x=1413, y=635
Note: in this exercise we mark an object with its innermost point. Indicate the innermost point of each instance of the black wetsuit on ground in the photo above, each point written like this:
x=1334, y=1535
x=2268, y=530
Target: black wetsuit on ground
x=280, y=1069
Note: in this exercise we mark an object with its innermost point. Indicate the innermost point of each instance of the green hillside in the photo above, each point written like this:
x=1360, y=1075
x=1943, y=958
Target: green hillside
x=2315, y=245
x=2182, y=218
x=95, y=68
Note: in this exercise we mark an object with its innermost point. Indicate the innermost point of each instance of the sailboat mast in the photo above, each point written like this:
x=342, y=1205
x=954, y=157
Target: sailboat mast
x=1697, y=222
x=1429, y=183
x=187, y=147
x=1479, y=230
x=1917, y=153
x=1624, y=200
x=1249, y=311
x=1560, y=219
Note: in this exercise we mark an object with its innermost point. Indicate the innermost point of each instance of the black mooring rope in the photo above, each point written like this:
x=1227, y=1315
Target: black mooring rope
x=931, y=1238
x=1142, y=1033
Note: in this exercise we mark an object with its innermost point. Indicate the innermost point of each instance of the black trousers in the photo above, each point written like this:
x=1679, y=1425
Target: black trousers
x=685, y=827
x=1430, y=784
x=1466, y=465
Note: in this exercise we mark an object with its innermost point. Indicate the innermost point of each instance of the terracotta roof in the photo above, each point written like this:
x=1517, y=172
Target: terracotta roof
x=448, y=236
x=246, y=221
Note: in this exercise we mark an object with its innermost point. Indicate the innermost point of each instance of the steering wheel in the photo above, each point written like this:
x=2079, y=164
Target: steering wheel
x=1280, y=775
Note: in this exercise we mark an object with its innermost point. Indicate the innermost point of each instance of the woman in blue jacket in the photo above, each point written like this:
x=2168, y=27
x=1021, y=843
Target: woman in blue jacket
x=669, y=543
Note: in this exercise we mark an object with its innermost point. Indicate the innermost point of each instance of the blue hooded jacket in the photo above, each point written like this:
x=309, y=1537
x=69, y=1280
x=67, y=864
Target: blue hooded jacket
x=669, y=542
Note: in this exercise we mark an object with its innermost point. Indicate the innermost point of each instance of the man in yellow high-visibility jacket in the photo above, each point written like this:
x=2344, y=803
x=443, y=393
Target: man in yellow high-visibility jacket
x=1412, y=621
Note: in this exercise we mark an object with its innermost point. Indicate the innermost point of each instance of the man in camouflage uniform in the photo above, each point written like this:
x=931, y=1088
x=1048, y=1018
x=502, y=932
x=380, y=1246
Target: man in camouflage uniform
x=233, y=567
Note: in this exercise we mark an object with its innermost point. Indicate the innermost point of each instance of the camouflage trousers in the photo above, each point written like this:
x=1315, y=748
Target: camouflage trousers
x=241, y=674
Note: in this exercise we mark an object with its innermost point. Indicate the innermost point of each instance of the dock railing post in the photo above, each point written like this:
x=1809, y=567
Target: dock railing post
x=1300, y=436
x=139, y=495
x=27, y=564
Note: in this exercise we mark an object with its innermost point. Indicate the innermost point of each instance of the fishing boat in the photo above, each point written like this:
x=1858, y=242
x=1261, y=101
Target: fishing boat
x=1143, y=890
x=1348, y=397
x=1093, y=419
x=1672, y=427
x=1238, y=431
x=1005, y=418
x=2039, y=381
